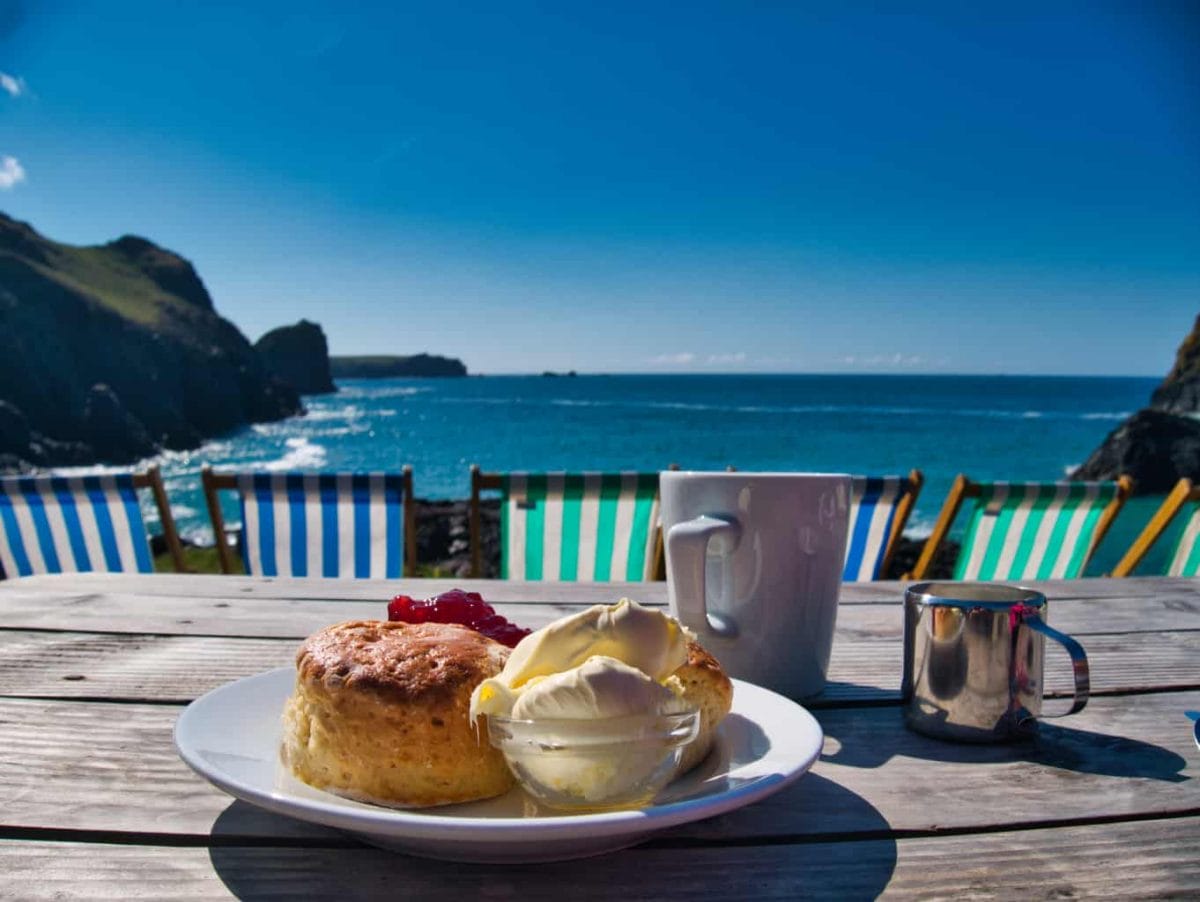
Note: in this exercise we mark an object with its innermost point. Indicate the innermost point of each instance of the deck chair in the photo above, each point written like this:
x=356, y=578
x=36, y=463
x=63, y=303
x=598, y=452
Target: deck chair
x=879, y=509
x=1026, y=530
x=307, y=524
x=572, y=527
x=73, y=524
x=1185, y=556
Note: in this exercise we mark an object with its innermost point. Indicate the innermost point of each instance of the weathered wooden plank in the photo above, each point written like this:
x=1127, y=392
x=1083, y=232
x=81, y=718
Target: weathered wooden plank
x=519, y=592
x=180, y=668
x=177, y=585
x=97, y=766
x=245, y=613
x=1151, y=859
x=255, y=617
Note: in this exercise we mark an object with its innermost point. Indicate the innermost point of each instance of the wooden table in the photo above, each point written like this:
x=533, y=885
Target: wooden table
x=94, y=802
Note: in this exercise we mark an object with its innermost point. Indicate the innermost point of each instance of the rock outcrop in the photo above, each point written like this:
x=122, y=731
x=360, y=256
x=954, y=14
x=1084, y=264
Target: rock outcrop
x=1161, y=443
x=385, y=366
x=299, y=355
x=1180, y=391
x=115, y=352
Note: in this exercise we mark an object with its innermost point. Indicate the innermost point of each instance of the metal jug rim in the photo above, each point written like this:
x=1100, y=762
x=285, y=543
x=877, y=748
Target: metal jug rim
x=992, y=596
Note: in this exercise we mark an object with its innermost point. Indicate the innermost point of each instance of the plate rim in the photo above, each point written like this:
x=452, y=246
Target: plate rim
x=407, y=824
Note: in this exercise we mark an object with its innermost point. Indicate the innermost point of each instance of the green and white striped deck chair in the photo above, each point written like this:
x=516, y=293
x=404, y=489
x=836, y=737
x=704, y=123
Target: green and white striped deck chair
x=81, y=524
x=1026, y=530
x=1185, y=556
x=572, y=527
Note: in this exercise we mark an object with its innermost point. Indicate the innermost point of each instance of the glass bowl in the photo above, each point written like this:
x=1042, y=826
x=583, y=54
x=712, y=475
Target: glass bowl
x=607, y=762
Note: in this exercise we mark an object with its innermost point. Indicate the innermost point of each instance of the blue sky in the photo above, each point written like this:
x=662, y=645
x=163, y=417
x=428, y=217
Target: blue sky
x=716, y=187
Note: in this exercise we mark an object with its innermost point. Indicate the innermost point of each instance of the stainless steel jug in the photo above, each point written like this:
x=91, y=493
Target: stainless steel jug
x=973, y=661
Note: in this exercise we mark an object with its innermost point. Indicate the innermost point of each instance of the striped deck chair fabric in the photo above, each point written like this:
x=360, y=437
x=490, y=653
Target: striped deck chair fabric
x=329, y=525
x=1034, y=530
x=875, y=503
x=582, y=527
x=60, y=524
x=1184, y=558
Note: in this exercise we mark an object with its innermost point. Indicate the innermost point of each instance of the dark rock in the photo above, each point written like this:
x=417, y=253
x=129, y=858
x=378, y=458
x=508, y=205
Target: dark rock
x=1153, y=447
x=384, y=366
x=168, y=271
x=112, y=431
x=443, y=537
x=137, y=319
x=907, y=551
x=158, y=543
x=14, y=429
x=1180, y=391
x=299, y=355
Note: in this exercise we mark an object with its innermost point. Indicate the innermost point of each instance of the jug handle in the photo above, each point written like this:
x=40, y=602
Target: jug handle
x=687, y=544
x=1079, y=662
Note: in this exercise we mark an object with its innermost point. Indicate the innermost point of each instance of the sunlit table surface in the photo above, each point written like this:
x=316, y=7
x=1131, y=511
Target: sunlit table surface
x=95, y=803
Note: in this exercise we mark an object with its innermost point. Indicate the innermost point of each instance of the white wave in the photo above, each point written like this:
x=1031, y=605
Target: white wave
x=573, y=402
x=319, y=414
x=1031, y=415
x=200, y=535
x=302, y=455
x=393, y=391
x=89, y=470
x=919, y=526
x=1105, y=416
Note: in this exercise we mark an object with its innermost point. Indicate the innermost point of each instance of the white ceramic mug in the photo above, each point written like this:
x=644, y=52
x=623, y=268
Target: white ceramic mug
x=754, y=565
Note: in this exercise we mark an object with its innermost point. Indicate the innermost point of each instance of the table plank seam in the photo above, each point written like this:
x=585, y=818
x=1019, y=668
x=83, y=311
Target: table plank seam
x=208, y=840
x=812, y=704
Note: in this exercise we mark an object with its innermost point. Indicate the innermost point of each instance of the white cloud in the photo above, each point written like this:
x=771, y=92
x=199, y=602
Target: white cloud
x=682, y=359
x=724, y=359
x=11, y=172
x=877, y=360
x=12, y=84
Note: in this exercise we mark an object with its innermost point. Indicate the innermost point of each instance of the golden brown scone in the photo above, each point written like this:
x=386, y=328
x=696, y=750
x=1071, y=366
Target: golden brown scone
x=380, y=714
x=705, y=686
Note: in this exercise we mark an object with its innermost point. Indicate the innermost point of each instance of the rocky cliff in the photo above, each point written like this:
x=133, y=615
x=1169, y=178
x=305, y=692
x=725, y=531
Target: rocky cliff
x=113, y=352
x=1161, y=443
x=384, y=366
x=299, y=355
x=1180, y=391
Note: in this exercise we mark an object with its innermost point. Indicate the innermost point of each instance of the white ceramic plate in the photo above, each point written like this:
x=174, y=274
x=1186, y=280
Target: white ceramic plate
x=231, y=737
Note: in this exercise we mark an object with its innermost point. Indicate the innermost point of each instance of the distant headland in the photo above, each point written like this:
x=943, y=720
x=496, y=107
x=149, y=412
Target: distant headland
x=384, y=366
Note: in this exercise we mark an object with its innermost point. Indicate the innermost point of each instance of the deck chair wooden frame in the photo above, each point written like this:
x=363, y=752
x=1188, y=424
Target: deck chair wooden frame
x=151, y=479
x=483, y=482
x=904, y=509
x=215, y=482
x=1183, y=493
x=964, y=489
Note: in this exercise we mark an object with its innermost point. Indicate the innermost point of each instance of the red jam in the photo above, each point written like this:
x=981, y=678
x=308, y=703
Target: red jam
x=456, y=606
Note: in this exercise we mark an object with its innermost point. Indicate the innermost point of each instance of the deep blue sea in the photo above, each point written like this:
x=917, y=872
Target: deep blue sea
x=989, y=427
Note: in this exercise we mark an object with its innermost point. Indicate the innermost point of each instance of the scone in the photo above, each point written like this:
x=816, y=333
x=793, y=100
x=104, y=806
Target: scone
x=706, y=686
x=379, y=714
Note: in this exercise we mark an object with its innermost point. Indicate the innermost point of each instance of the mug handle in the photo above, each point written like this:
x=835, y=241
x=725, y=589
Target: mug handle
x=1079, y=662
x=687, y=544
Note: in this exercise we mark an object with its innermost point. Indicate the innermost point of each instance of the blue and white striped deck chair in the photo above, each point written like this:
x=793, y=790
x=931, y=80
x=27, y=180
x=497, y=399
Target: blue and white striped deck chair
x=1184, y=558
x=336, y=525
x=572, y=527
x=879, y=509
x=77, y=524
